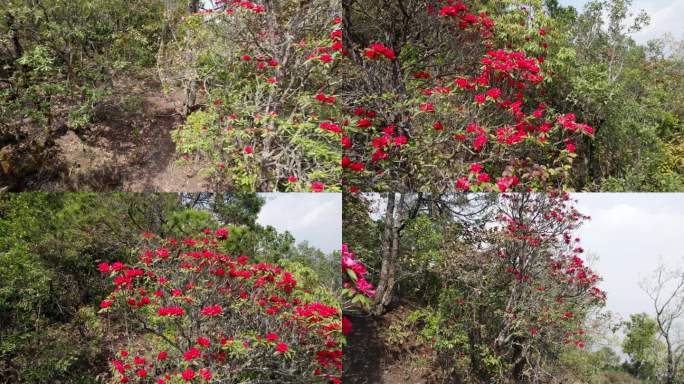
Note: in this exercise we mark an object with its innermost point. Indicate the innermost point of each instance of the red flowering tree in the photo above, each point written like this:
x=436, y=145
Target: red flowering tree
x=449, y=97
x=511, y=304
x=186, y=312
x=266, y=72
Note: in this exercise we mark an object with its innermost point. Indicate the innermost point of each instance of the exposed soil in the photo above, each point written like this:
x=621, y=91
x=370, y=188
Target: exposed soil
x=370, y=358
x=126, y=147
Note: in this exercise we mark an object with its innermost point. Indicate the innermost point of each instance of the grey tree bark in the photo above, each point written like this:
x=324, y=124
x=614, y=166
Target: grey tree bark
x=394, y=217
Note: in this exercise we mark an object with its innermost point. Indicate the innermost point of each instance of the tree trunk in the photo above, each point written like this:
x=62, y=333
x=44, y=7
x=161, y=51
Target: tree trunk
x=18, y=49
x=670, y=364
x=190, y=79
x=390, y=250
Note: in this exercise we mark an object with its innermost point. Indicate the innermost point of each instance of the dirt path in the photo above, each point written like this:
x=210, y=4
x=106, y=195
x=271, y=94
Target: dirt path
x=128, y=145
x=369, y=358
x=364, y=353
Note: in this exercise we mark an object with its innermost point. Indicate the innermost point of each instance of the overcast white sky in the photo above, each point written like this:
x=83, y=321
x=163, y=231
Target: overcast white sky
x=666, y=16
x=631, y=234
x=314, y=217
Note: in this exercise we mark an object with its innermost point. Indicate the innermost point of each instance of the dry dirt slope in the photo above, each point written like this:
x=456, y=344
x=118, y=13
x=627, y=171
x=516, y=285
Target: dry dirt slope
x=129, y=143
x=127, y=146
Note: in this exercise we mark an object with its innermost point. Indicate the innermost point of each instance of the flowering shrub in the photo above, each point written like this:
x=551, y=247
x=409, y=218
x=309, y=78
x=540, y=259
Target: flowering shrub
x=189, y=313
x=269, y=79
x=456, y=106
x=355, y=286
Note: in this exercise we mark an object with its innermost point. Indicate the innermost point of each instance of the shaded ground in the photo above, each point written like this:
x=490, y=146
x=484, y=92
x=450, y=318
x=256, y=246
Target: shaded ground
x=127, y=146
x=386, y=350
x=371, y=357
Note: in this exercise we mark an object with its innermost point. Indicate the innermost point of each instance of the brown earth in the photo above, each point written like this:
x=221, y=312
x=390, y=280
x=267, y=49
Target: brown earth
x=370, y=357
x=127, y=146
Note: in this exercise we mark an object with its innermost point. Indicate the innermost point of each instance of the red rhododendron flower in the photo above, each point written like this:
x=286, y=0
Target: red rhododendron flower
x=118, y=266
x=212, y=310
x=494, y=93
x=292, y=179
x=142, y=373
x=462, y=83
x=105, y=303
x=317, y=186
x=271, y=337
x=191, y=354
x=103, y=267
x=162, y=356
x=364, y=123
x=400, y=140
x=331, y=127
x=203, y=341
x=171, y=311
x=249, y=149
x=282, y=348
x=476, y=168
x=479, y=142
x=356, y=167
x=188, y=374
x=325, y=99
x=205, y=373
x=462, y=184
x=377, y=48
x=222, y=233
x=427, y=107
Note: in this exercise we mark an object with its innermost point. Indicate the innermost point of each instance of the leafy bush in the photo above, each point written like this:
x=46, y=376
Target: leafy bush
x=262, y=69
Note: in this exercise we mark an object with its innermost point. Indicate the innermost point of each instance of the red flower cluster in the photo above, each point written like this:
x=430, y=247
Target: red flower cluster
x=376, y=49
x=299, y=332
x=212, y=310
x=171, y=311
x=496, y=97
x=355, y=271
x=325, y=99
